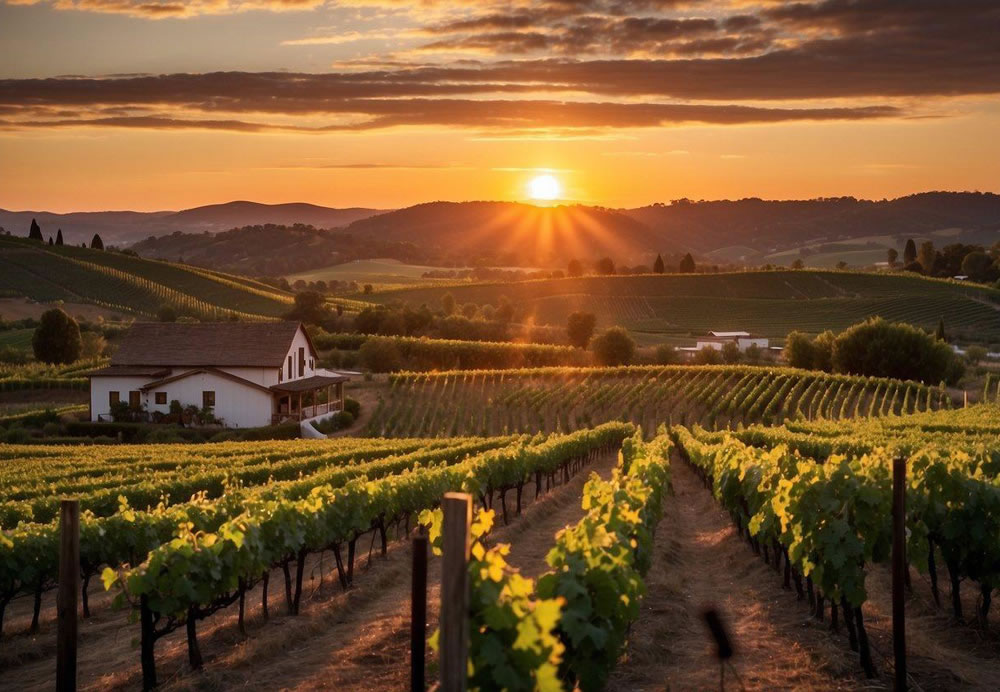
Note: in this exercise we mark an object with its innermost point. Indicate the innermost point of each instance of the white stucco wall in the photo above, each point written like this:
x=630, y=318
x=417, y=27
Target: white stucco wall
x=100, y=388
x=298, y=342
x=238, y=405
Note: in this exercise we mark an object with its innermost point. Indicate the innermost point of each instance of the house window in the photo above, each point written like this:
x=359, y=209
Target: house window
x=302, y=361
x=312, y=365
x=290, y=376
x=161, y=398
x=133, y=400
x=208, y=399
x=280, y=373
x=114, y=398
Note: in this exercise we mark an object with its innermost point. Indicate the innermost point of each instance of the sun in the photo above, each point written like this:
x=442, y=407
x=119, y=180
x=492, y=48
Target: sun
x=544, y=187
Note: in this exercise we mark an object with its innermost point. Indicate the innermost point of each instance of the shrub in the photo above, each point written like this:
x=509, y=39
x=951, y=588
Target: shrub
x=352, y=406
x=614, y=347
x=580, y=328
x=707, y=356
x=57, y=338
x=666, y=354
x=882, y=349
x=380, y=355
x=731, y=353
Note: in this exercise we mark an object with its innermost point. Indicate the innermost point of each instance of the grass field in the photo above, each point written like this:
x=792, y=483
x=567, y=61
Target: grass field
x=16, y=338
x=373, y=271
x=130, y=284
x=767, y=303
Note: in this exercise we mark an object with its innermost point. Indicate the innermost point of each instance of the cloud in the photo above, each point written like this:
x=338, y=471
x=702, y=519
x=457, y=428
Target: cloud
x=163, y=9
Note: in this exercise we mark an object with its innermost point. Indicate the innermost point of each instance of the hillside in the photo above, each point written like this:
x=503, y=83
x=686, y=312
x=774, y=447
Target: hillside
x=770, y=225
x=274, y=250
x=126, y=227
x=768, y=303
x=510, y=233
x=130, y=284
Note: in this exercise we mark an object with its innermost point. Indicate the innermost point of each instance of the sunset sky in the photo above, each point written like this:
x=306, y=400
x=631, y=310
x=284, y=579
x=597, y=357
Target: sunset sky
x=160, y=104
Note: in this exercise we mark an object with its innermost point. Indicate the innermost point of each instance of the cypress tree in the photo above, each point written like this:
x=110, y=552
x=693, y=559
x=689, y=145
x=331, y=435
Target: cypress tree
x=50, y=241
x=36, y=231
x=658, y=264
x=687, y=264
x=910, y=252
x=939, y=334
x=59, y=240
x=97, y=243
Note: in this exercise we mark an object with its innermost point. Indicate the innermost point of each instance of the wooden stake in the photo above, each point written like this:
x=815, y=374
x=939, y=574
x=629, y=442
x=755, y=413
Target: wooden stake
x=66, y=598
x=899, y=569
x=455, y=591
x=418, y=613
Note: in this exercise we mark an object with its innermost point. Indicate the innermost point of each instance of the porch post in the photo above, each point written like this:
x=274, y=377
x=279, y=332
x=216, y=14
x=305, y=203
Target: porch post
x=340, y=394
x=300, y=406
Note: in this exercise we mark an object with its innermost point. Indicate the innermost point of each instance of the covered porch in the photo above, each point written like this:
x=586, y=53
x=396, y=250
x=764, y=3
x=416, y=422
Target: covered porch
x=307, y=398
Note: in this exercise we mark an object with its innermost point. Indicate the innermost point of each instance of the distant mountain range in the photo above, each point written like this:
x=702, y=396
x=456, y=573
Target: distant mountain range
x=127, y=227
x=753, y=231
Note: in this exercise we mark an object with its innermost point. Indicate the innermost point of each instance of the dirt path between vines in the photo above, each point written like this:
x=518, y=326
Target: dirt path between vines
x=365, y=645
x=700, y=561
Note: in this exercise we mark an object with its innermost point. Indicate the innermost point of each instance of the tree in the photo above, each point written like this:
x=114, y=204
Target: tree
x=605, y=266
x=580, y=328
x=687, y=264
x=658, y=264
x=823, y=351
x=368, y=289
x=35, y=233
x=310, y=307
x=92, y=345
x=798, y=264
x=57, y=338
x=448, y=303
x=731, y=354
x=939, y=334
x=96, y=243
x=926, y=257
x=974, y=354
x=614, y=347
x=574, y=268
x=754, y=354
x=59, y=240
x=51, y=242
x=892, y=255
x=910, y=252
x=166, y=313
x=469, y=310
x=666, y=354
x=708, y=356
x=505, y=310
x=799, y=351
x=978, y=266
x=876, y=348
x=841, y=265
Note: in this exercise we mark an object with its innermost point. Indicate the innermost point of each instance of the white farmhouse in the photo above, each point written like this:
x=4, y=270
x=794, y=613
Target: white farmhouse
x=249, y=374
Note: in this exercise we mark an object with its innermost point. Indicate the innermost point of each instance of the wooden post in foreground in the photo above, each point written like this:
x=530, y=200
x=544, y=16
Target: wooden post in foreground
x=66, y=597
x=899, y=570
x=418, y=613
x=455, y=591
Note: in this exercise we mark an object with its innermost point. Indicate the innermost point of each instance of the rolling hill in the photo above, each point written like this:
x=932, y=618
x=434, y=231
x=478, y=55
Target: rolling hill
x=510, y=233
x=766, y=303
x=126, y=227
x=130, y=284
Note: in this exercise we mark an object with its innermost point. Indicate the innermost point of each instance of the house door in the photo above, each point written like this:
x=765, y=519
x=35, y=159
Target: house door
x=133, y=400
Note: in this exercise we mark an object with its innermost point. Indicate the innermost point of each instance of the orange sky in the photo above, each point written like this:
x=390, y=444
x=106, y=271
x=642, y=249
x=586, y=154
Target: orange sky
x=377, y=103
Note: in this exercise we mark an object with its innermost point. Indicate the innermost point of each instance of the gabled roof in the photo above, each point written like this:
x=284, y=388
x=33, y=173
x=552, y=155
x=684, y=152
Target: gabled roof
x=129, y=371
x=307, y=383
x=218, y=344
x=729, y=334
x=200, y=371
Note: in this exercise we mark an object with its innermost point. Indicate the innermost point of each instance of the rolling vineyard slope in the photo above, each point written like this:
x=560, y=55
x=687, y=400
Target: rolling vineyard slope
x=489, y=402
x=131, y=284
x=818, y=496
x=770, y=303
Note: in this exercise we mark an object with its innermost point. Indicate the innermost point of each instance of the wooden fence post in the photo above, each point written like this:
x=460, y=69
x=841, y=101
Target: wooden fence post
x=455, y=591
x=418, y=613
x=899, y=570
x=66, y=597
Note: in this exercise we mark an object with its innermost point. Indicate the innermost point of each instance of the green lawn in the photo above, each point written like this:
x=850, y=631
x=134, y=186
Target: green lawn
x=16, y=338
